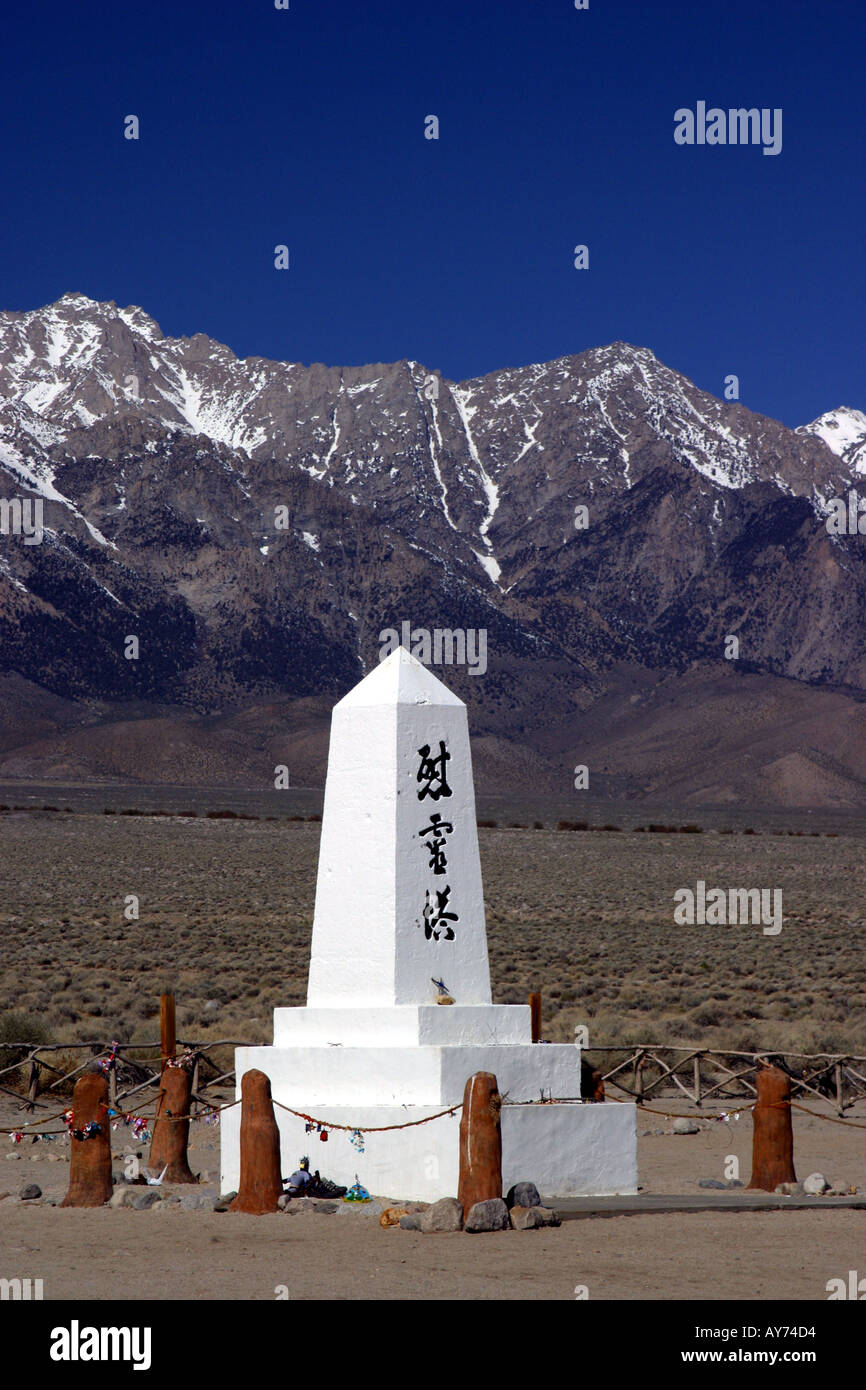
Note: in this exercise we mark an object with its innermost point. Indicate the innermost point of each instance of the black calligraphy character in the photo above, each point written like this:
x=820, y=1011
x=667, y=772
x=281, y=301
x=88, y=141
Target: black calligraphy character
x=435, y=917
x=438, y=829
x=432, y=773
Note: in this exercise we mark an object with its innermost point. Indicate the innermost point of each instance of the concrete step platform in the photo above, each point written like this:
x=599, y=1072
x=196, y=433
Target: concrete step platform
x=646, y=1203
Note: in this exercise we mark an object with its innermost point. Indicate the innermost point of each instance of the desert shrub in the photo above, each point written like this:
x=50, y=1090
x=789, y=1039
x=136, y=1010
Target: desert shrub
x=17, y=1026
x=139, y=1007
x=66, y=1013
x=708, y=1016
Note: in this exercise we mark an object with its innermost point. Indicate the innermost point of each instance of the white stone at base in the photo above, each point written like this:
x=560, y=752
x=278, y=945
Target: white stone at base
x=409, y=1025
x=567, y=1150
x=307, y=1077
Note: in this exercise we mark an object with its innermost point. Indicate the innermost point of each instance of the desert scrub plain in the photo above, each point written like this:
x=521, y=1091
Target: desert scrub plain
x=586, y=917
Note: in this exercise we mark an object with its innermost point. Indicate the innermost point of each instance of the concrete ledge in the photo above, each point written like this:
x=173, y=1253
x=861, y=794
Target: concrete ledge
x=647, y=1203
x=316, y=1076
x=408, y=1025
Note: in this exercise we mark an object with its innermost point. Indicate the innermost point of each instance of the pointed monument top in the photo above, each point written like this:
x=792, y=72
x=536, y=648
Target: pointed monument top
x=401, y=679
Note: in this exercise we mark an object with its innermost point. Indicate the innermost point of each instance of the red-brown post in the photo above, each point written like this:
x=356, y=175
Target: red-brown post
x=90, y=1183
x=535, y=1016
x=773, y=1139
x=480, y=1142
x=168, y=1148
x=260, y=1183
x=167, y=1034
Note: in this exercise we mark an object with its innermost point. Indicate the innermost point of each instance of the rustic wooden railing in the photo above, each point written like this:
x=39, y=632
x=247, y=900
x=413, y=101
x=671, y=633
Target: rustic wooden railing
x=703, y=1074
x=715, y=1074
x=700, y=1074
x=128, y=1073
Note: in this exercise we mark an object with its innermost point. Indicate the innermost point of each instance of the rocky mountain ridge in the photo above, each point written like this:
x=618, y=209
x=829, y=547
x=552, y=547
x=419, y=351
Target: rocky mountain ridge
x=257, y=525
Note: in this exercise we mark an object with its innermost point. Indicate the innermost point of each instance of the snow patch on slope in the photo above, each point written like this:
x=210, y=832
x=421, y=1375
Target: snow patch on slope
x=40, y=479
x=462, y=397
x=844, y=432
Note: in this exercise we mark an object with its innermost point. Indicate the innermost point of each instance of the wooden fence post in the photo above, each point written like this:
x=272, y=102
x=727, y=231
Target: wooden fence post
x=90, y=1181
x=194, y=1087
x=698, y=1079
x=638, y=1078
x=260, y=1182
x=33, y=1090
x=773, y=1139
x=167, y=1034
x=480, y=1142
x=168, y=1147
x=535, y=1016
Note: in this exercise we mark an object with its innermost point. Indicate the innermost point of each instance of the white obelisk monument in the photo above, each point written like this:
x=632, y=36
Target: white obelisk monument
x=399, y=924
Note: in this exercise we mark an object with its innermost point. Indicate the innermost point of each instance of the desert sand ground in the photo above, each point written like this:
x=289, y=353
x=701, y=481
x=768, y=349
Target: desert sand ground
x=176, y=1254
x=134, y=1255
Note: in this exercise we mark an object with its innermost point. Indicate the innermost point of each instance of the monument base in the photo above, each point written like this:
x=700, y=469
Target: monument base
x=367, y=1068
x=567, y=1149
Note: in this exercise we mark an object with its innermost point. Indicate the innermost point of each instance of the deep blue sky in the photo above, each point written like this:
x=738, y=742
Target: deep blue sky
x=306, y=127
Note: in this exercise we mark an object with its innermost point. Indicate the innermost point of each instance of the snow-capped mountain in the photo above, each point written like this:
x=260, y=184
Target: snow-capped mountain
x=257, y=524
x=386, y=434
x=844, y=432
